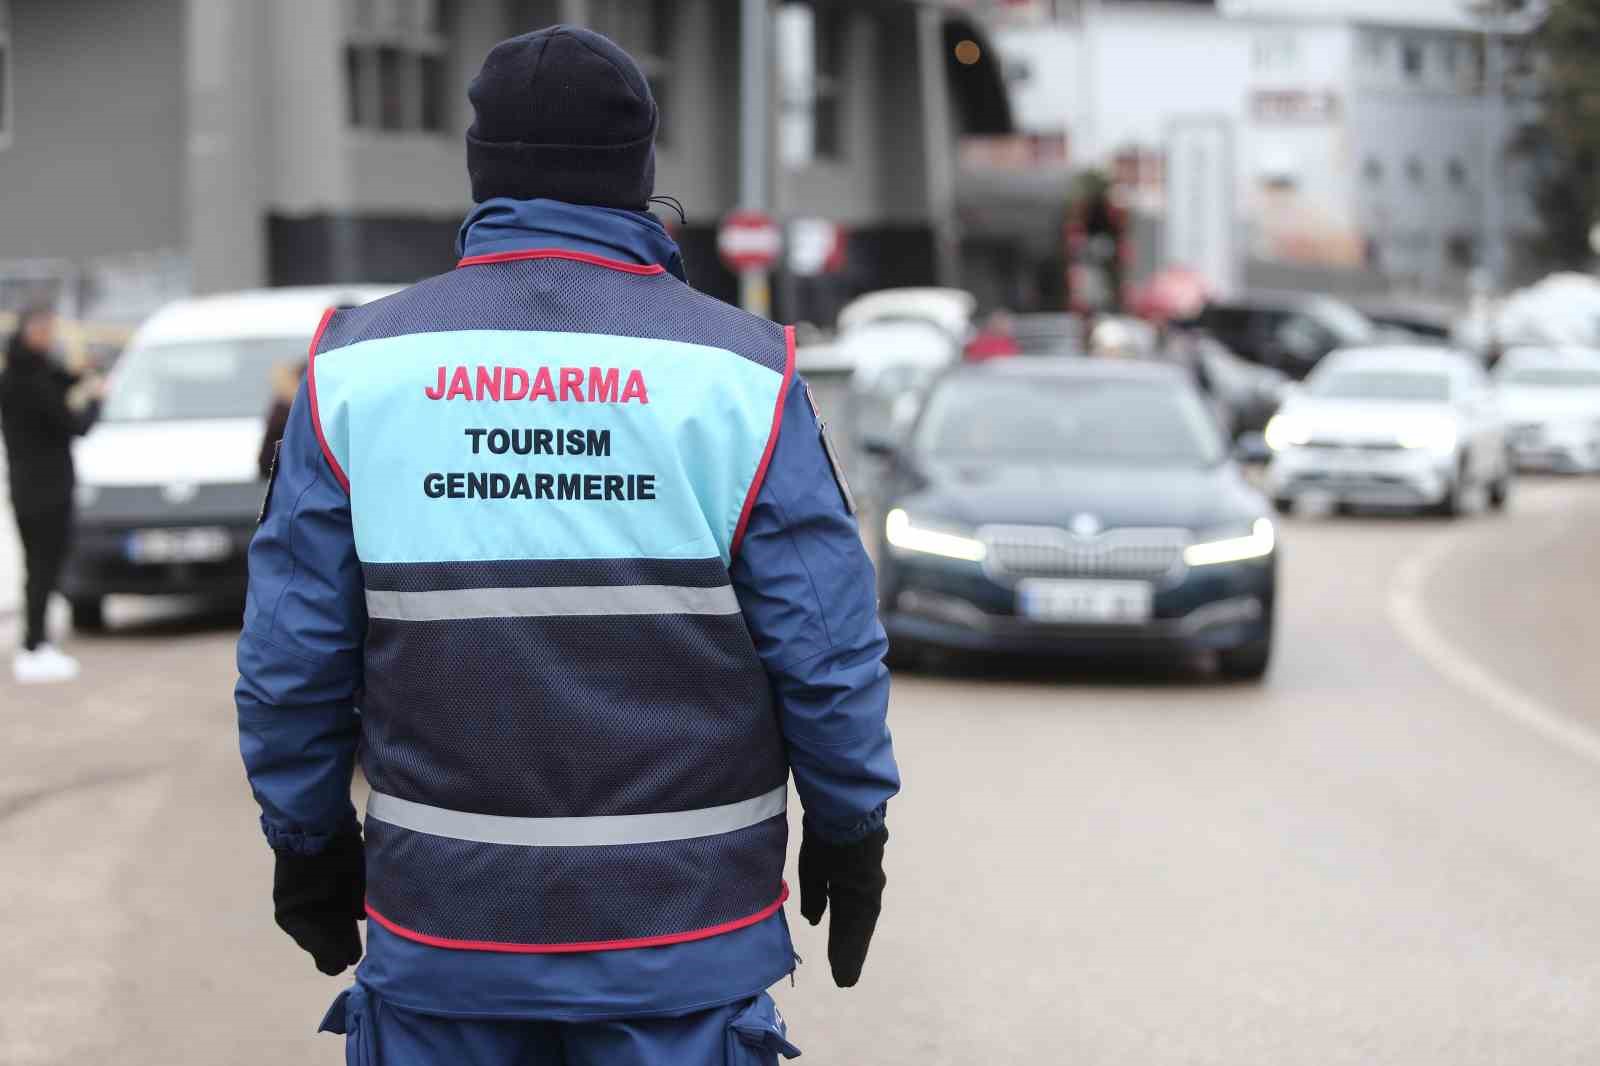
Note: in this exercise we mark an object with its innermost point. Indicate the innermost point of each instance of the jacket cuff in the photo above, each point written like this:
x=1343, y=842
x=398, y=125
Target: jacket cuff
x=302, y=842
x=835, y=833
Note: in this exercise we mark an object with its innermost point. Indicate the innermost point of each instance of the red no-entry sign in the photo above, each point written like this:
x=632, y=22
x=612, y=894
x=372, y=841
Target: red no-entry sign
x=749, y=241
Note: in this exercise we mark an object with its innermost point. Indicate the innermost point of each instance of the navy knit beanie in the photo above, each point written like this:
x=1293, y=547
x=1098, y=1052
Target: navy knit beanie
x=563, y=114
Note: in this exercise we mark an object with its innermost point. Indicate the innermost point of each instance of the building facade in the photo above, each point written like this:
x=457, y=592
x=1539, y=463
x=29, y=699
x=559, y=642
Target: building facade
x=241, y=143
x=1359, y=133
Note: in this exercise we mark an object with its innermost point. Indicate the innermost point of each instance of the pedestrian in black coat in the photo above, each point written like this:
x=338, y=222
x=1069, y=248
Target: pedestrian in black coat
x=38, y=423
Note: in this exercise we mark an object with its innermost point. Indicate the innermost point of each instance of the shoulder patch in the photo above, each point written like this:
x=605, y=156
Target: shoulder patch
x=833, y=456
x=272, y=479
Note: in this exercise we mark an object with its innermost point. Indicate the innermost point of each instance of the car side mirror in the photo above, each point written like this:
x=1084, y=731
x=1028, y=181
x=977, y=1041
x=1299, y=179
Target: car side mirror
x=879, y=446
x=1251, y=448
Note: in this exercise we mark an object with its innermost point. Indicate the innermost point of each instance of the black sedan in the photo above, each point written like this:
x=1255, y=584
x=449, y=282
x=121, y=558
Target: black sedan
x=1074, y=506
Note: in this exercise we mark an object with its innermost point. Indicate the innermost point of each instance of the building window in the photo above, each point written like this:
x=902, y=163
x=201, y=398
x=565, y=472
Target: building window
x=1274, y=51
x=1414, y=171
x=1411, y=60
x=1374, y=50
x=1456, y=172
x=1372, y=170
x=394, y=66
x=832, y=42
x=646, y=30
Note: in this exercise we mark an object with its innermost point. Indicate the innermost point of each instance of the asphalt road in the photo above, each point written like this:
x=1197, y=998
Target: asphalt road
x=1386, y=854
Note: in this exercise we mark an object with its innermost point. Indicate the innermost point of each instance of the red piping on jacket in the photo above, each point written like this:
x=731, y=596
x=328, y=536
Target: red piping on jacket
x=772, y=442
x=311, y=390
x=562, y=253
x=594, y=945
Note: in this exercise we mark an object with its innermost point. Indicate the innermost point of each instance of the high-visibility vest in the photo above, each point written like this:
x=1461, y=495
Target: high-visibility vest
x=570, y=739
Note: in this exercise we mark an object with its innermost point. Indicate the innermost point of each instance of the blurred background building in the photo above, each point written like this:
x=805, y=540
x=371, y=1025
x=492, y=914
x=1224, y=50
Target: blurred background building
x=1352, y=146
x=1337, y=145
x=168, y=145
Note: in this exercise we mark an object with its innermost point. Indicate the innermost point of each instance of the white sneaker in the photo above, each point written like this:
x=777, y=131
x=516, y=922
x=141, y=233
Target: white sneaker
x=43, y=666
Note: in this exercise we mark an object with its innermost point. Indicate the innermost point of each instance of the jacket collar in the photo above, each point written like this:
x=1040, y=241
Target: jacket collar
x=502, y=225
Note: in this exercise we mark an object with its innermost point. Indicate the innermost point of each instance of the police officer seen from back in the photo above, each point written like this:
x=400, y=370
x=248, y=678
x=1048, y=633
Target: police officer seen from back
x=555, y=542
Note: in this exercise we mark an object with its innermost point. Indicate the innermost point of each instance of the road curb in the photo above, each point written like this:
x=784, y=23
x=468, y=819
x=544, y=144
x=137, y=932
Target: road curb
x=1410, y=619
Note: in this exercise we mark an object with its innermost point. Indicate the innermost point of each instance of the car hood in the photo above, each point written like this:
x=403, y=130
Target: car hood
x=201, y=452
x=1359, y=420
x=1538, y=404
x=1058, y=495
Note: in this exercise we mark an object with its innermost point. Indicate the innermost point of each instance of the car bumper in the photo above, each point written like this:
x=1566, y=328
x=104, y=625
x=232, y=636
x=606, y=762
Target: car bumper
x=1400, y=477
x=959, y=606
x=100, y=565
x=1539, y=449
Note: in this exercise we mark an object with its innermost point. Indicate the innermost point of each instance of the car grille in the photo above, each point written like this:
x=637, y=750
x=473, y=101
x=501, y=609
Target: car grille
x=1355, y=445
x=1044, y=551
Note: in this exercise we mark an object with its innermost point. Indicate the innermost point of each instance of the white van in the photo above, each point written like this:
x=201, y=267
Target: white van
x=168, y=486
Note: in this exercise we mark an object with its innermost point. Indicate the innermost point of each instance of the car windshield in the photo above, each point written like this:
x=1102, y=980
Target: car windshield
x=1399, y=386
x=1557, y=376
x=1098, y=421
x=199, y=379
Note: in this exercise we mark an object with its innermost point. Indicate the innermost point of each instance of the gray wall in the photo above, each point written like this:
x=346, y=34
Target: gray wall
x=96, y=165
x=229, y=142
x=880, y=176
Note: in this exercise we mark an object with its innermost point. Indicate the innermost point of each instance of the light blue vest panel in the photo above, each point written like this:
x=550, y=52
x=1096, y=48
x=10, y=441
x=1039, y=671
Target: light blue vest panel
x=702, y=436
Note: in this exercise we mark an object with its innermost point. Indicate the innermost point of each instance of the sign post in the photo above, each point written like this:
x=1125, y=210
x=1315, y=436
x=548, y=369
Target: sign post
x=755, y=139
x=749, y=243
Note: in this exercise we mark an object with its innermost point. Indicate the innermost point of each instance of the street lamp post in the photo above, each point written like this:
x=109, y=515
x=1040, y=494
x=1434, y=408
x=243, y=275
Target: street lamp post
x=755, y=288
x=1499, y=19
x=1493, y=158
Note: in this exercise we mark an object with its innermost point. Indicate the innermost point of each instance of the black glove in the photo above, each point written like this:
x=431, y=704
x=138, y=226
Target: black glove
x=317, y=899
x=851, y=876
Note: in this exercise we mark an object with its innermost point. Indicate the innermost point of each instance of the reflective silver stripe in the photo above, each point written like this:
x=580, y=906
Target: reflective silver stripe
x=577, y=832
x=570, y=600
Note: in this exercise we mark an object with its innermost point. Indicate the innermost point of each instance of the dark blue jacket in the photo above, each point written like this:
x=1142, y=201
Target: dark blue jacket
x=804, y=587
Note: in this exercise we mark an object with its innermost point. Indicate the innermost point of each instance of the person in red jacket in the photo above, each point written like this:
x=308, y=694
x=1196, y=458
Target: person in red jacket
x=994, y=341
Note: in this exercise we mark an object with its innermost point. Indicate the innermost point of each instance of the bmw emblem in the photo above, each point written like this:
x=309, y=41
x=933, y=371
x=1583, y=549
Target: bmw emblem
x=1085, y=526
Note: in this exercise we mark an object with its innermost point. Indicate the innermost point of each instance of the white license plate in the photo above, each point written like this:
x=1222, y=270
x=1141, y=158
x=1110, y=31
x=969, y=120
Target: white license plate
x=1353, y=461
x=1093, y=602
x=202, y=544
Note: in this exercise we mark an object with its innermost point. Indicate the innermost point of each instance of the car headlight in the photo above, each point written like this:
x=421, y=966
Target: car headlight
x=908, y=536
x=1256, y=544
x=1434, y=436
x=1286, y=431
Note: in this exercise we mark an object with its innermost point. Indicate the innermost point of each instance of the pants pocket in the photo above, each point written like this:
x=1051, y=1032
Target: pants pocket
x=757, y=1035
x=348, y=1017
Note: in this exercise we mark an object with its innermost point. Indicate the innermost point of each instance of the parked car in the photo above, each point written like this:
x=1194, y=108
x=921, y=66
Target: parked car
x=1551, y=399
x=1075, y=506
x=1418, y=322
x=1287, y=331
x=1246, y=395
x=168, y=486
x=950, y=310
x=1414, y=427
x=1049, y=333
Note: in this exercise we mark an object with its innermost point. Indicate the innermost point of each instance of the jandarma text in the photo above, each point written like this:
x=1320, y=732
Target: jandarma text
x=566, y=384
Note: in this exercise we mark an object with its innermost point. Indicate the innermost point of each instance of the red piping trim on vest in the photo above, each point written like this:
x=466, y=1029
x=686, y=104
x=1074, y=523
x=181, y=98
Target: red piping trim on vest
x=562, y=253
x=772, y=442
x=311, y=390
x=595, y=945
